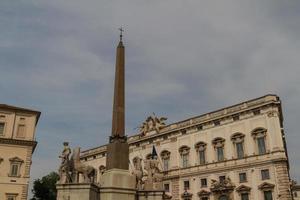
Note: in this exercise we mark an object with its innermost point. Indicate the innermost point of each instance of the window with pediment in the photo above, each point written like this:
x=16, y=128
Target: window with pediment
x=184, y=153
x=201, y=151
x=21, y=129
x=15, y=165
x=165, y=157
x=11, y=196
x=219, y=144
x=238, y=141
x=259, y=135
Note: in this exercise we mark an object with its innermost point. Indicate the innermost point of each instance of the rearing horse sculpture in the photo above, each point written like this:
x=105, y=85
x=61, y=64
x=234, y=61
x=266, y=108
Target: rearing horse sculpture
x=87, y=171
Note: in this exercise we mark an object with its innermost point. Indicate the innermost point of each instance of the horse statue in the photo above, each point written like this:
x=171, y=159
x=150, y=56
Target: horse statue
x=138, y=172
x=88, y=172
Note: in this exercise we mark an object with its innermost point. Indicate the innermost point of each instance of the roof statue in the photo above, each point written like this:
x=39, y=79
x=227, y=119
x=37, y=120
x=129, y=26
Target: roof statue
x=152, y=123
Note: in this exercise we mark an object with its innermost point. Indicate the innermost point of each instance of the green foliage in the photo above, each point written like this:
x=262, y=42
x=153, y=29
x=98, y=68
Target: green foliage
x=45, y=188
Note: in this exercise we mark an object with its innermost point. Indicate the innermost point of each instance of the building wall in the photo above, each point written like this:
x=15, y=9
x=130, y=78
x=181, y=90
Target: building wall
x=16, y=147
x=243, y=118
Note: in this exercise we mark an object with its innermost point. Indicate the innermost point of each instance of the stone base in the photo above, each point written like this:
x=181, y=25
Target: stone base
x=151, y=195
x=77, y=191
x=118, y=184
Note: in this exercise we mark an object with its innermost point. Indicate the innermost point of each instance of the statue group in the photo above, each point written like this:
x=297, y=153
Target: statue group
x=152, y=123
x=147, y=173
x=71, y=168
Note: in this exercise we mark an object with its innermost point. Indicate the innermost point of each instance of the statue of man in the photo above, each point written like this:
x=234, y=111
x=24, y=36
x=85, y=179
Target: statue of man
x=64, y=168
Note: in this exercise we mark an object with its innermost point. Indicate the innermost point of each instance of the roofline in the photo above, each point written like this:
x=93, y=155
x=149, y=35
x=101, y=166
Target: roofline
x=15, y=108
x=198, y=116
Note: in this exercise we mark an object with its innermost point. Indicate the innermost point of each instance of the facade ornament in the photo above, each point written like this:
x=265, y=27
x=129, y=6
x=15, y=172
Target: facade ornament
x=266, y=186
x=186, y=195
x=222, y=187
x=154, y=175
x=152, y=123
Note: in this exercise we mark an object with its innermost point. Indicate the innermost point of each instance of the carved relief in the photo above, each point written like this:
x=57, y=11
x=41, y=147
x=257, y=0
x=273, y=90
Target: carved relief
x=152, y=123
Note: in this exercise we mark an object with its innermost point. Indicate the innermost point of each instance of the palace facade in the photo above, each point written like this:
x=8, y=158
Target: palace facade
x=17, y=144
x=236, y=153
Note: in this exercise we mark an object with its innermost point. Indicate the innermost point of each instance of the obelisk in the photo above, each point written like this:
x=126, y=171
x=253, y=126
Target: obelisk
x=118, y=148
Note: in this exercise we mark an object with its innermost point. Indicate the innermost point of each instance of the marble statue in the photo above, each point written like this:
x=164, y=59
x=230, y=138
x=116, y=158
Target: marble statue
x=65, y=166
x=154, y=175
x=138, y=173
x=88, y=172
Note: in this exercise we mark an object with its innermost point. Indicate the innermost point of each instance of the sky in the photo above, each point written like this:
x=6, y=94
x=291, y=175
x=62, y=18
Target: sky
x=183, y=59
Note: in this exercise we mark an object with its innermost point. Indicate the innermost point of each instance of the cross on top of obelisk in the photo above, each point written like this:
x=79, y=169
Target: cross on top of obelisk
x=121, y=33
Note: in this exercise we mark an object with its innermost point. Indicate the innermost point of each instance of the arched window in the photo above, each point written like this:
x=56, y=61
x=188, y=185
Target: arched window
x=259, y=134
x=218, y=144
x=238, y=141
x=201, y=151
x=184, y=153
x=165, y=156
x=223, y=197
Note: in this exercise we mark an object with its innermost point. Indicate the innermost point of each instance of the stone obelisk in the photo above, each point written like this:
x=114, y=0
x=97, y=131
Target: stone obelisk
x=118, y=182
x=118, y=149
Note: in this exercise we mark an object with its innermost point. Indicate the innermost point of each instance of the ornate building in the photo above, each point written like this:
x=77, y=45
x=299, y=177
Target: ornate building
x=17, y=143
x=236, y=153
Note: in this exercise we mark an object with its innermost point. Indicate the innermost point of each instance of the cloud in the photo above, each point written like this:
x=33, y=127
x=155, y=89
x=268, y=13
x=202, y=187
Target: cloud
x=182, y=59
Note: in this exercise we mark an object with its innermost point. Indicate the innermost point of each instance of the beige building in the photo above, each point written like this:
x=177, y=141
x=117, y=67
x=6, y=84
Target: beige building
x=17, y=143
x=236, y=153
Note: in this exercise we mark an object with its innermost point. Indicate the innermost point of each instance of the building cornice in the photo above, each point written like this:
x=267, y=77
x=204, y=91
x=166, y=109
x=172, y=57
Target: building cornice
x=19, y=142
x=246, y=106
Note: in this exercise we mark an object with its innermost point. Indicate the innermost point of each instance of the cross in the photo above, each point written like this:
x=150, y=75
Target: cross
x=121, y=33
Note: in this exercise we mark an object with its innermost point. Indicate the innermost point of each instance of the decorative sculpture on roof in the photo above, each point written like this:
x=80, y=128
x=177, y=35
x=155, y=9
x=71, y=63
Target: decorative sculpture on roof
x=152, y=123
x=223, y=186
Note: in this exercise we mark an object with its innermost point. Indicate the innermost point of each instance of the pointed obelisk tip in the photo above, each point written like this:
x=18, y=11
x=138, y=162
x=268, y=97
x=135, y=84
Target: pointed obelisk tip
x=121, y=37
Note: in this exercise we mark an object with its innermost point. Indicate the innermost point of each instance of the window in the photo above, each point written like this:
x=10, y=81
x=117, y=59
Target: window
x=14, y=169
x=268, y=195
x=256, y=112
x=202, y=157
x=186, y=185
x=201, y=148
x=204, y=198
x=185, y=160
x=245, y=196
x=199, y=127
x=21, y=131
x=238, y=141
x=165, y=156
x=217, y=122
x=222, y=178
x=218, y=144
x=259, y=135
x=239, y=150
x=265, y=174
x=167, y=187
x=184, y=153
x=203, y=182
x=223, y=197
x=235, y=117
x=261, y=145
x=15, y=165
x=2, y=128
x=243, y=177
x=220, y=153
x=11, y=196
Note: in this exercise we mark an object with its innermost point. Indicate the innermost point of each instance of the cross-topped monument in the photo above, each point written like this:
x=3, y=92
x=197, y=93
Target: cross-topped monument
x=118, y=149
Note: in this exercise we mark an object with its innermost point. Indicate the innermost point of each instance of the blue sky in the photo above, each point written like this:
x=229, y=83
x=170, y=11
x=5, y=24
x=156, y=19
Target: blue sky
x=183, y=58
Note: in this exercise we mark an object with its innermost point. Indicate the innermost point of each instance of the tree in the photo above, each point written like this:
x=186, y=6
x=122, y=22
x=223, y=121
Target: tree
x=45, y=188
